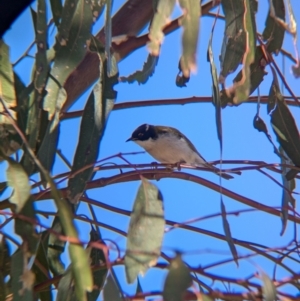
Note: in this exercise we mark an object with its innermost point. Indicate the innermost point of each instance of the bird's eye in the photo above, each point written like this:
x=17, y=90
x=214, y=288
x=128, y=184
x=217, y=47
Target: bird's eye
x=140, y=134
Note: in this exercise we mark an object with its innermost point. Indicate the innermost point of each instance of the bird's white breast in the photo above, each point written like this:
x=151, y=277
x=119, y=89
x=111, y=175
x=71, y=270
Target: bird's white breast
x=168, y=149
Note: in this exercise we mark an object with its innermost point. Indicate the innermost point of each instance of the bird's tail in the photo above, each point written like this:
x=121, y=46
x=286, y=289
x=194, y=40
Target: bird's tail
x=221, y=173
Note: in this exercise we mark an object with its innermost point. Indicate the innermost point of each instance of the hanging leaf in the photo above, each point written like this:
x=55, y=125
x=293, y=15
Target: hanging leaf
x=7, y=88
x=268, y=289
x=26, y=228
x=107, y=29
x=287, y=197
x=284, y=125
x=41, y=63
x=257, y=73
x=5, y=265
x=55, y=248
x=22, y=279
x=160, y=19
x=97, y=8
x=215, y=90
x=94, y=118
x=41, y=268
x=227, y=232
x=71, y=47
x=143, y=75
x=274, y=33
x=111, y=291
x=190, y=23
x=97, y=258
x=66, y=289
x=242, y=88
x=146, y=230
x=178, y=280
x=56, y=8
x=18, y=180
x=235, y=35
x=47, y=150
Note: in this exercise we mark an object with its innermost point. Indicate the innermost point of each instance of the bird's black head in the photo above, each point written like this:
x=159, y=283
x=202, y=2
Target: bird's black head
x=143, y=132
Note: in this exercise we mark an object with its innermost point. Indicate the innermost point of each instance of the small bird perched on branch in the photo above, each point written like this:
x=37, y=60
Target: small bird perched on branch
x=168, y=145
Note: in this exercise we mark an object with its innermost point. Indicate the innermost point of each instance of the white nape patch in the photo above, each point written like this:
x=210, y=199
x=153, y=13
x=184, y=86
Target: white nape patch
x=168, y=149
x=147, y=127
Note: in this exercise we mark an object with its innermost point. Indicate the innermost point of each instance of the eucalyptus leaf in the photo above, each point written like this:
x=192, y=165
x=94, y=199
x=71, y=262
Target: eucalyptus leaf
x=273, y=33
x=111, y=291
x=56, y=8
x=71, y=47
x=162, y=14
x=178, y=280
x=7, y=88
x=18, y=180
x=142, y=76
x=146, y=230
x=228, y=236
x=268, y=288
x=190, y=23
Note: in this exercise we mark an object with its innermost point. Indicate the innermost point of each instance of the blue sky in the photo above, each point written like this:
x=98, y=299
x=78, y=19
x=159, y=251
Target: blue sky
x=183, y=200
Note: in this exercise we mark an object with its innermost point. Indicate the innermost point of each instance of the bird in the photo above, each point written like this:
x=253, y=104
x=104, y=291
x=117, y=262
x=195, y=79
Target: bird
x=168, y=145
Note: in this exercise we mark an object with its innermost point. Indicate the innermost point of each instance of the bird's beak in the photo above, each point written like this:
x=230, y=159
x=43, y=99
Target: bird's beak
x=129, y=139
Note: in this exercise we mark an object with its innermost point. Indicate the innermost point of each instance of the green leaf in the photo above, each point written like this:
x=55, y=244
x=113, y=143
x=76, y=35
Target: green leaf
x=97, y=8
x=257, y=73
x=142, y=76
x=215, y=90
x=284, y=125
x=268, y=289
x=47, y=150
x=227, y=232
x=71, y=47
x=41, y=268
x=178, y=280
x=26, y=228
x=146, y=230
x=111, y=291
x=18, y=180
x=22, y=279
x=61, y=99
x=242, y=88
x=274, y=33
x=190, y=23
x=41, y=63
x=56, y=8
x=156, y=35
x=5, y=257
x=55, y=248
x=97, y=258
x=234, y=41
x=66, y=289
x=7, y=86
x=107, y=29
x=287, y=198
x=94, y=118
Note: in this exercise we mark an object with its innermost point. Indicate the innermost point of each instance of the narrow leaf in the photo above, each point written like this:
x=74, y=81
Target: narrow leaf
x=227, y=232
x=111, y=291
x=274, y=33
x=56, y=8
x=18, y=180
x=97, y=8
x=190, y=22
x=66, y=289
x=41, y=267
x=55, y=248
x=41, y=63
x=215, y=91
x=146, y=230
x=142, y=76
x=268, y=289
x=242, y=88
x=178, y=280
x=257, y=73
x=71, y=46
x=284, y=125
x=97, y=258
x=287, y=197
x=107, y=29
x=161, y=18
x=26, y=228
x=234, y=41
x=22, y=279
x=94, y=118
x=7, y=88
x=5, y=257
